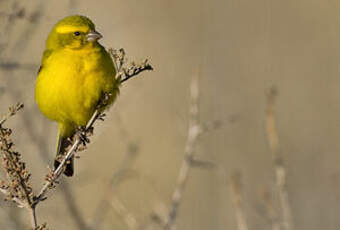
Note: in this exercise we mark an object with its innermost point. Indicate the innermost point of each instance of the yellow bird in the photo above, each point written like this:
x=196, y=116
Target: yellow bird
x=75, y=71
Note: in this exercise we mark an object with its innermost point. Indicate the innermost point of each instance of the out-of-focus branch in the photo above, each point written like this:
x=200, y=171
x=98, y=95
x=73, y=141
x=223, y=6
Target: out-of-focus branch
x=19, y=12
x=196, y=128
x=194, y=131
x=280, y=170
x=107, y=201
x=8, y=66
x=271, y=212
x=121, y=210
x=9, y=218
x=236, y=195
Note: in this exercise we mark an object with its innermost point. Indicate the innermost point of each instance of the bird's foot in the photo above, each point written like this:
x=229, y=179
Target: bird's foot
x=83, y=135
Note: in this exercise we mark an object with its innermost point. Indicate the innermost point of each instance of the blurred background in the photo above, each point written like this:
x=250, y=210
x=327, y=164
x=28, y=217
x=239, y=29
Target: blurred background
x=238, y=49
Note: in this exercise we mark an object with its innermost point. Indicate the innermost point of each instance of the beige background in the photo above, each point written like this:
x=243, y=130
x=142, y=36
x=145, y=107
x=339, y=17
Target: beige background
x=239, y=48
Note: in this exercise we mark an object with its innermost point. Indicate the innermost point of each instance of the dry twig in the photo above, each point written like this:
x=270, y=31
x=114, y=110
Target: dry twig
x=12, y=111
x=236, y=194
x=17, y=187
x=196, y=128
x=125, y=73
x=194, y=131
x=109, y=200
x=121, y=210
x=271, y=212
x=280, y=170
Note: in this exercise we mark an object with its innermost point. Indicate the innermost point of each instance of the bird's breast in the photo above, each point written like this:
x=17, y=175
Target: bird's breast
x=70, y=84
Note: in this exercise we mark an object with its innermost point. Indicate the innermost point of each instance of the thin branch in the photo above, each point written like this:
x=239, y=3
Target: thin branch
x=125, y=73
x=17, y=188
x=72, y=207
x=19, y=173
x=10, y=218
x=134, y=70
x=33, y=217
x=10, y=66
x=280, y=170
x=236, y=194
x=121, y=210
x=194, y=131
x=103, y=207
x=12, y=111
x=20, y=203
x=271, y=212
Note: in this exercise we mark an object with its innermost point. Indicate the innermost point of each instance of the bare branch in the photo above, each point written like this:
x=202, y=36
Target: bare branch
x=17, y=188
x=236, y=194
x=121, y=210
x=280, y=170
x=194, y=131
x=271, y=212
x=10, y=66
x=103, y=207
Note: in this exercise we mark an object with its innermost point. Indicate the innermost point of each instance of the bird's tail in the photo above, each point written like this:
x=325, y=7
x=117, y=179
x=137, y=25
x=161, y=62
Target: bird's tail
x=63, y=143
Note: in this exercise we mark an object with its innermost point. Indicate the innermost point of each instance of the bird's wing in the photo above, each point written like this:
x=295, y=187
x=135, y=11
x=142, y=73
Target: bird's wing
x=46, y=54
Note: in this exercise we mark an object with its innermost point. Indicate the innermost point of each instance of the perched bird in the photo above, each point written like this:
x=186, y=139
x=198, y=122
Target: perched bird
x=75, y=71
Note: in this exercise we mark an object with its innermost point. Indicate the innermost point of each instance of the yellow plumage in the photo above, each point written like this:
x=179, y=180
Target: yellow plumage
x=75, y=71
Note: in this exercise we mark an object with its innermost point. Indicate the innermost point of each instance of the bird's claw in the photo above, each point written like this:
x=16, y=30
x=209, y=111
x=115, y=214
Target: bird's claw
x=83, y=135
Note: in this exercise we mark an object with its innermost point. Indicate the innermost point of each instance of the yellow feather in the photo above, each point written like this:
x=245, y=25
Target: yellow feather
x=73, y=76
x=70, y=28
x=70, y=84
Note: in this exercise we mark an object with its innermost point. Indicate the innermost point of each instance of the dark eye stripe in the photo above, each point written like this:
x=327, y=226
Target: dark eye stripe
x=77, y=33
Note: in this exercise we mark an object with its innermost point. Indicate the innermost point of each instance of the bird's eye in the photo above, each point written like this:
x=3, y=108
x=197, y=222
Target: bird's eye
x=77, y=33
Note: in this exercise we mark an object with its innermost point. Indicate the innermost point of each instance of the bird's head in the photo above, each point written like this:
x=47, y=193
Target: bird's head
x=73, y=32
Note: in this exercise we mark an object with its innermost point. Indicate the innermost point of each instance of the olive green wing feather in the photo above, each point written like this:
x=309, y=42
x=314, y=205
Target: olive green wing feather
x=46, y=54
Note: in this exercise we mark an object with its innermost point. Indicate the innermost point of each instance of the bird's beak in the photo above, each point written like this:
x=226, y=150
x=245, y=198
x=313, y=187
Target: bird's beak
x=93, y=36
